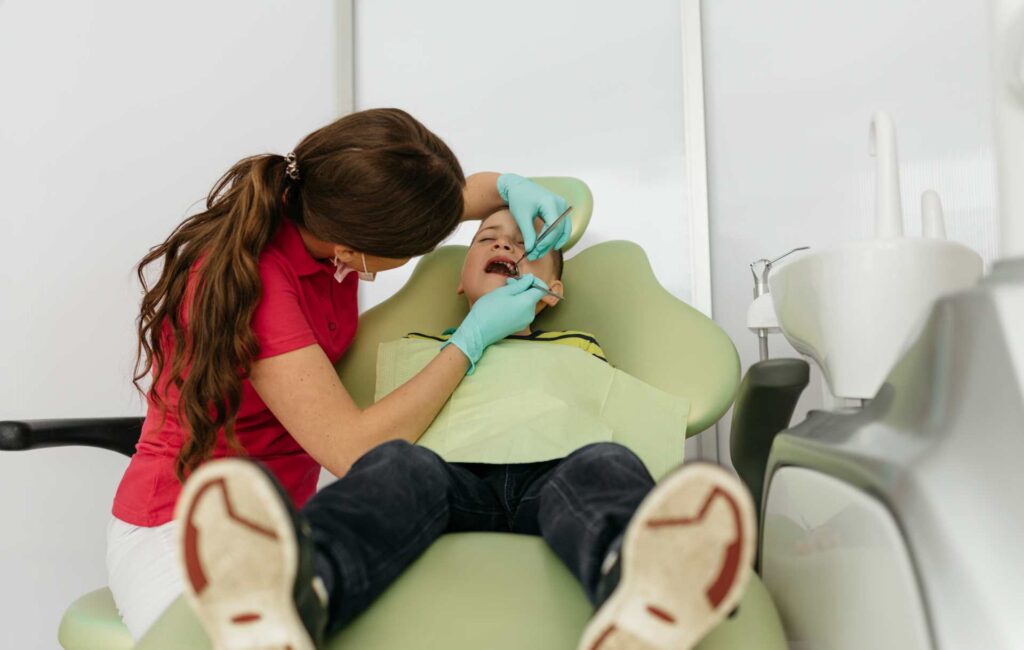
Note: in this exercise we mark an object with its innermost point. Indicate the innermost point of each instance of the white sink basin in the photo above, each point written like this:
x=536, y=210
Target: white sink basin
x=852, y=307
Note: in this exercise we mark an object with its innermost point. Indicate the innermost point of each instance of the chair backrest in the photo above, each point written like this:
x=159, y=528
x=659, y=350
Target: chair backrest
x=611, y=292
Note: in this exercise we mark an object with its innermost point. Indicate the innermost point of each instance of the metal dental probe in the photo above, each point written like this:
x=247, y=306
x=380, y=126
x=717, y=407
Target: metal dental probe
x=548, y=291
x=545, y=232
x=541, y=236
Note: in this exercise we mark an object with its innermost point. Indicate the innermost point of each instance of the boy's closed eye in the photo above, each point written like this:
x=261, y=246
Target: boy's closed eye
x=490, y=238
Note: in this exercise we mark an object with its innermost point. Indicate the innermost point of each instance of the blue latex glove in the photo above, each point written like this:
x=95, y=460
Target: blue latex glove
x=527, y=200
x=504, y=311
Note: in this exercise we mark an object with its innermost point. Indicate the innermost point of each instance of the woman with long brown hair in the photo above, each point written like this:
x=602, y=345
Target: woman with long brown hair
x=256, y=300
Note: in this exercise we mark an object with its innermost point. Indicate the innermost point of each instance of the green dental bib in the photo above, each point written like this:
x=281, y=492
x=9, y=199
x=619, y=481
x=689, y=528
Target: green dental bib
x=531, y=401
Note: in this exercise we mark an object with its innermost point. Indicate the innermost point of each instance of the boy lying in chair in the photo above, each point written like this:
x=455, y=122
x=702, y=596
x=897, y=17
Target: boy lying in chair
x=662, y=563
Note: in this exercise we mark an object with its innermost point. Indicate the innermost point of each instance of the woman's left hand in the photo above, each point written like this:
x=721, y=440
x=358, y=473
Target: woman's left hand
x=526, y=201
x=497, y=314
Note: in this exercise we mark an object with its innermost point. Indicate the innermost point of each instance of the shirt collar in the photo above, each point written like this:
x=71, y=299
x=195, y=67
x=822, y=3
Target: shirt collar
x=289, y=240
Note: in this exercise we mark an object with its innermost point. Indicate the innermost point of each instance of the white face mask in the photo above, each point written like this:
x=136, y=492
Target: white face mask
x=342, y=270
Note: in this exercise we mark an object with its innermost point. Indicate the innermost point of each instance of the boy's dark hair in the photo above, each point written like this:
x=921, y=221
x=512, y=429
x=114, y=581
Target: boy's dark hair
x=556, y=255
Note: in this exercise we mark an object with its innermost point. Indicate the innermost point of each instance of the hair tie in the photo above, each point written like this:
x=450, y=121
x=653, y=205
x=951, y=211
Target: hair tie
x=293, y=167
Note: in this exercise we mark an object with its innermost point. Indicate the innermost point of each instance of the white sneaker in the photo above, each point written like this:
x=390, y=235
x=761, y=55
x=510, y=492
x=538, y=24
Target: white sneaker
x=686, y=558
x=247, y=560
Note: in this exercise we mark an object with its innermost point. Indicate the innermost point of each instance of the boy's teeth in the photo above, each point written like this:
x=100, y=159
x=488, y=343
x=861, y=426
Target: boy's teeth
x=508, y=268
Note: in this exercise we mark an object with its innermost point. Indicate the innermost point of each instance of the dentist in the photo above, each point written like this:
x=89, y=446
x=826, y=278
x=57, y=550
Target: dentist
x=255, y=301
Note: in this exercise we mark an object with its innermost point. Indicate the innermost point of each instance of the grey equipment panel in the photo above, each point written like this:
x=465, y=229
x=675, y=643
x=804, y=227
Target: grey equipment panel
x=942, y=446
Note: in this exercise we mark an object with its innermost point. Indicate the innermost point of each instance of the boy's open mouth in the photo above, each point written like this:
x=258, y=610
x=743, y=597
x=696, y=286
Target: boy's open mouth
x=501, y=266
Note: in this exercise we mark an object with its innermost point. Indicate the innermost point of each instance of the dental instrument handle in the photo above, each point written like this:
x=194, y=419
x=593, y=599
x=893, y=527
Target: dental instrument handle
x=763, y=267
x=551, y=293
x=760, y=269
x=544, y=233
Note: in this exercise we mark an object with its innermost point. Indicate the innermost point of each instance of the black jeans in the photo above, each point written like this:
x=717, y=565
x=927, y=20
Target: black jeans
x=398, y=498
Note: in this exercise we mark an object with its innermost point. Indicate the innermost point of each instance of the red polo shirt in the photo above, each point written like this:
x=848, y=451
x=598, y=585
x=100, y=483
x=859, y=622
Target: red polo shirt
x=301, y=305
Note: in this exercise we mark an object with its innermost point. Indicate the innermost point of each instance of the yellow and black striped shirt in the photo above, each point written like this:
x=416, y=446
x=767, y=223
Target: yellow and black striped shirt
x=581, y=340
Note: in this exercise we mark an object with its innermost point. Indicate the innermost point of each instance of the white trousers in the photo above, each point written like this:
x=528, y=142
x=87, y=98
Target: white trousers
x=142, y=572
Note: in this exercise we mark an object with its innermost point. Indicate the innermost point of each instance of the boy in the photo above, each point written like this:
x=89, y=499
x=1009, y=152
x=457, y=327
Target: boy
x=662, y=564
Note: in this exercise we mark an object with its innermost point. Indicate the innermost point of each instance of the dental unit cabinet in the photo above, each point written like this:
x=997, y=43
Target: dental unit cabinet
x=891, y=518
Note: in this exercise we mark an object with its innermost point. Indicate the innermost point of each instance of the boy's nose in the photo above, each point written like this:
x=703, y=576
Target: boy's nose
x=502, y=245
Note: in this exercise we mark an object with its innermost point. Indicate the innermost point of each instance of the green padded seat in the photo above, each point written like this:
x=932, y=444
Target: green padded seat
x=470, y=591
x=538, y=605
x=92, y=623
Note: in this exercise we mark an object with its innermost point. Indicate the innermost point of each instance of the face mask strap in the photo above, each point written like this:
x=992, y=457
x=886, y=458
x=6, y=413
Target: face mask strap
x=344, y=269
x=367, y=275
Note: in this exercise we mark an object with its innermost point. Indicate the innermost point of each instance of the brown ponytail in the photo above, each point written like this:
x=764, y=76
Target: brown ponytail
x=377, y=181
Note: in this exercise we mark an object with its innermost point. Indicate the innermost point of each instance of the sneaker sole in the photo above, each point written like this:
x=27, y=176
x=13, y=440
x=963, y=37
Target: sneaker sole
x=686, y=561
x=240, y=584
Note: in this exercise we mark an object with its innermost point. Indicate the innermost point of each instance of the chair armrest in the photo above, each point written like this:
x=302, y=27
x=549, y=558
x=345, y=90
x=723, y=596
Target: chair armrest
x=115, y=434
x=764, y=405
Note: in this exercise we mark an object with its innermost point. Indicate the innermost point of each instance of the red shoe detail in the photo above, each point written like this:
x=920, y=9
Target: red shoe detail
x=194, y=570
x=246, y=618
x=660, y=613
x=601, y=639
x=718, y=590
x=196, y=576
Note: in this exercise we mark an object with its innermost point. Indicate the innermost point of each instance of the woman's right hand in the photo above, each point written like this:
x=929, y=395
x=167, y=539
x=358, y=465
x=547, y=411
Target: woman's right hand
x=495, y=315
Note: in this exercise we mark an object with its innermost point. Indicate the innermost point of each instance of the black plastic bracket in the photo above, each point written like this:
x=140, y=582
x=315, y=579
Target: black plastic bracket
x=764, y=406
x=115, y=434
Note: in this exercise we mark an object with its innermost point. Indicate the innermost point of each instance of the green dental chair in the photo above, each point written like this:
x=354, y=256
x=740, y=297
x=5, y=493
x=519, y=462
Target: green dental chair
x=481, y=591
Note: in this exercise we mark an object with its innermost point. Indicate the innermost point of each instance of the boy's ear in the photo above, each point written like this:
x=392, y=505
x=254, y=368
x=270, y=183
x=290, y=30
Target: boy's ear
x=459, y=290
x=557, y=287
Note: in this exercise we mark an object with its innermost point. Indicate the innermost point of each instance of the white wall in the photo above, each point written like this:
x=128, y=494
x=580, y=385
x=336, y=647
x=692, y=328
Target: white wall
x=790, y=89
x=115, y=117
x=567, y=88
